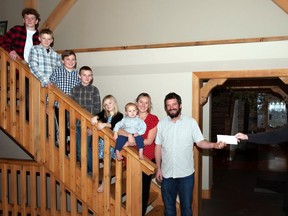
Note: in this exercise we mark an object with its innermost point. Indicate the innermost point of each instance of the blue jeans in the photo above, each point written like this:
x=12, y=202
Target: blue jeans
x=182, y=186
x=89, y=148
x=121, y=140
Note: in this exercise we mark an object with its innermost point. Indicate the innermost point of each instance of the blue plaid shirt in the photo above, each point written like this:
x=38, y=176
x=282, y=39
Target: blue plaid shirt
x=42, y=63
x=64, y=79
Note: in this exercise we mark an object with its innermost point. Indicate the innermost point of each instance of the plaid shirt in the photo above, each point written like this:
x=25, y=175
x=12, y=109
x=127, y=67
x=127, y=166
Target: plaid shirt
x=88, y=97
x=64, y=79
x=15, y=39
x=42, y=63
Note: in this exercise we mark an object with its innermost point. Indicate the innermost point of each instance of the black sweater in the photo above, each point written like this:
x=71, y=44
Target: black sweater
x=278, y=135
x=116, y=118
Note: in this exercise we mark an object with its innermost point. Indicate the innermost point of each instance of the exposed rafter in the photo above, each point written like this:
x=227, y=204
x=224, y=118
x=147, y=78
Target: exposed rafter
x=31, y=4
x=57, y=15
x=283, y=4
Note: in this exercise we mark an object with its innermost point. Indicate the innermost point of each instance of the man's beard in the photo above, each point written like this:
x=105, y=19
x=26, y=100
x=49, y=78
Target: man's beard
x=174, y=115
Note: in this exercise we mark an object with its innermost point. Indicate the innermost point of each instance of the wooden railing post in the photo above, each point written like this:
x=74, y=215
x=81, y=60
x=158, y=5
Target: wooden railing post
x=134, y=186
x=57, y=167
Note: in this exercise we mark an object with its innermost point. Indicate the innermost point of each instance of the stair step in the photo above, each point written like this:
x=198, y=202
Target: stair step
x=156, y=211
x=153, y=196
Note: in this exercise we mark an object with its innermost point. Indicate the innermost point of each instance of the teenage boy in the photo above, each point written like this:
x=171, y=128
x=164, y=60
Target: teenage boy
x=87, y=95
x=43, y=59
x=19, y=39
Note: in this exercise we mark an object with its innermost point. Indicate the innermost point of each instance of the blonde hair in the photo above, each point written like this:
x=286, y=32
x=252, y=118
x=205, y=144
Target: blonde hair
x=143, y=94
x=129, y=105
x=115, y=107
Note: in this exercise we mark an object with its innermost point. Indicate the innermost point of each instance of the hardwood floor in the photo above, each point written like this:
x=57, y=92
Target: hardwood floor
x=250, y=185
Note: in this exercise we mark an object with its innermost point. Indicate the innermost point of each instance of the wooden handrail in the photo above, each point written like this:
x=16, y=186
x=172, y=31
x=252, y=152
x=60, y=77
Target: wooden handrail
x=182, y=44
x=36, y=135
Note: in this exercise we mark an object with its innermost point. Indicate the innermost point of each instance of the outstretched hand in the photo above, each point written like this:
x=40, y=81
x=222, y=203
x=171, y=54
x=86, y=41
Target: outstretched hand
x=219, y=145
x=241, y=136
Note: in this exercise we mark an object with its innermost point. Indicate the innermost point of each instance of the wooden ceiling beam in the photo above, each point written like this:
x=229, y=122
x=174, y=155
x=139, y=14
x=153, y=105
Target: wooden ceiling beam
x=57, y=15
x=283, y=4
x=31, y=4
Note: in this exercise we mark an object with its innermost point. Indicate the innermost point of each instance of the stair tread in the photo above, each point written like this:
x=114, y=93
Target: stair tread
x=152, y=197
x=156, y=211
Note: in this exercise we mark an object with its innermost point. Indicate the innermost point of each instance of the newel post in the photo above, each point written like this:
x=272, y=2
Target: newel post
x=134, y=186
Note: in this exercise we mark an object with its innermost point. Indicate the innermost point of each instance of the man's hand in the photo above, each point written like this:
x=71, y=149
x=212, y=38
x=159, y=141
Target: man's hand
x=159, y=175
x=241, y=136
x=219, y=145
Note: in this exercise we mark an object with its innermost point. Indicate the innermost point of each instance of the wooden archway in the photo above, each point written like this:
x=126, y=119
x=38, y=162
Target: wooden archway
x=200, y=94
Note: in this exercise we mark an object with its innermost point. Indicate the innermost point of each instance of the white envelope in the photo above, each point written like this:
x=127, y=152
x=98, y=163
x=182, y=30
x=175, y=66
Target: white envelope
x=227, y=139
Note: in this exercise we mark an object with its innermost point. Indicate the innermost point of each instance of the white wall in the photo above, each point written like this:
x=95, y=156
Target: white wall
x=98, y=23
x=125, y=74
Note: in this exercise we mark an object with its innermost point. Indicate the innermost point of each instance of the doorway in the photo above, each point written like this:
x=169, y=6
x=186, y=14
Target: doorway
x=275, y=80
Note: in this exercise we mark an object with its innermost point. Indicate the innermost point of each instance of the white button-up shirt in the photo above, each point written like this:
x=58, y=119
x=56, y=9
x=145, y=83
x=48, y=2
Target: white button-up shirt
x=177, y=141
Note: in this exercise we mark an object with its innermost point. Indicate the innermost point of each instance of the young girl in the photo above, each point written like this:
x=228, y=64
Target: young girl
x=108, y=117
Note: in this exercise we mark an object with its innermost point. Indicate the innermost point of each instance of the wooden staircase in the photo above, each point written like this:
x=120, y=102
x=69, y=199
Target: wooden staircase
x=55, y=184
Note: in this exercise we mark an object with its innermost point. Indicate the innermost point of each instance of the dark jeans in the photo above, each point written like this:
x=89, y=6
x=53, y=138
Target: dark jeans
x=146, y=183
x=89, y=148
x=184, y=188
x=121, y=140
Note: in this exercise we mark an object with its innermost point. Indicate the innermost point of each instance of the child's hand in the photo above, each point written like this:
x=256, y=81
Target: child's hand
x=94, y=120
x=101, y=125
x=136, y=134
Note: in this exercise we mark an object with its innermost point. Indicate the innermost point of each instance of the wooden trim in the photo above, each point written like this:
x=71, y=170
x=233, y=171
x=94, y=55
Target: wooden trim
x=205, y=75
x=196, y=114
x=206, y=194
x=181, y=44
x=283, y=4
x=57, y=15
x=218, y=77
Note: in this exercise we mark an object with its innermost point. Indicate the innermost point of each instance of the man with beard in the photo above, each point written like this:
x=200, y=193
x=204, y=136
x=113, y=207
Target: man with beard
x=176, y=135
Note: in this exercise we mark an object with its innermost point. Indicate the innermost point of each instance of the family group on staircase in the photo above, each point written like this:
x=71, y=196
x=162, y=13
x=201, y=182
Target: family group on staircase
x=168, y=143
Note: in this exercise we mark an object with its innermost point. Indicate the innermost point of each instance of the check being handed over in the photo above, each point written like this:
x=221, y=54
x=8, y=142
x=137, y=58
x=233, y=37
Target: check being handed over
x=227, y=139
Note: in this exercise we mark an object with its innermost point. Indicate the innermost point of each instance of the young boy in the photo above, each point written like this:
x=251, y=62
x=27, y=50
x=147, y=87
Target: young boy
x=131, y=123
x=65, y=78
x=43, y=59
x=87, y=95
x=19, y=39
